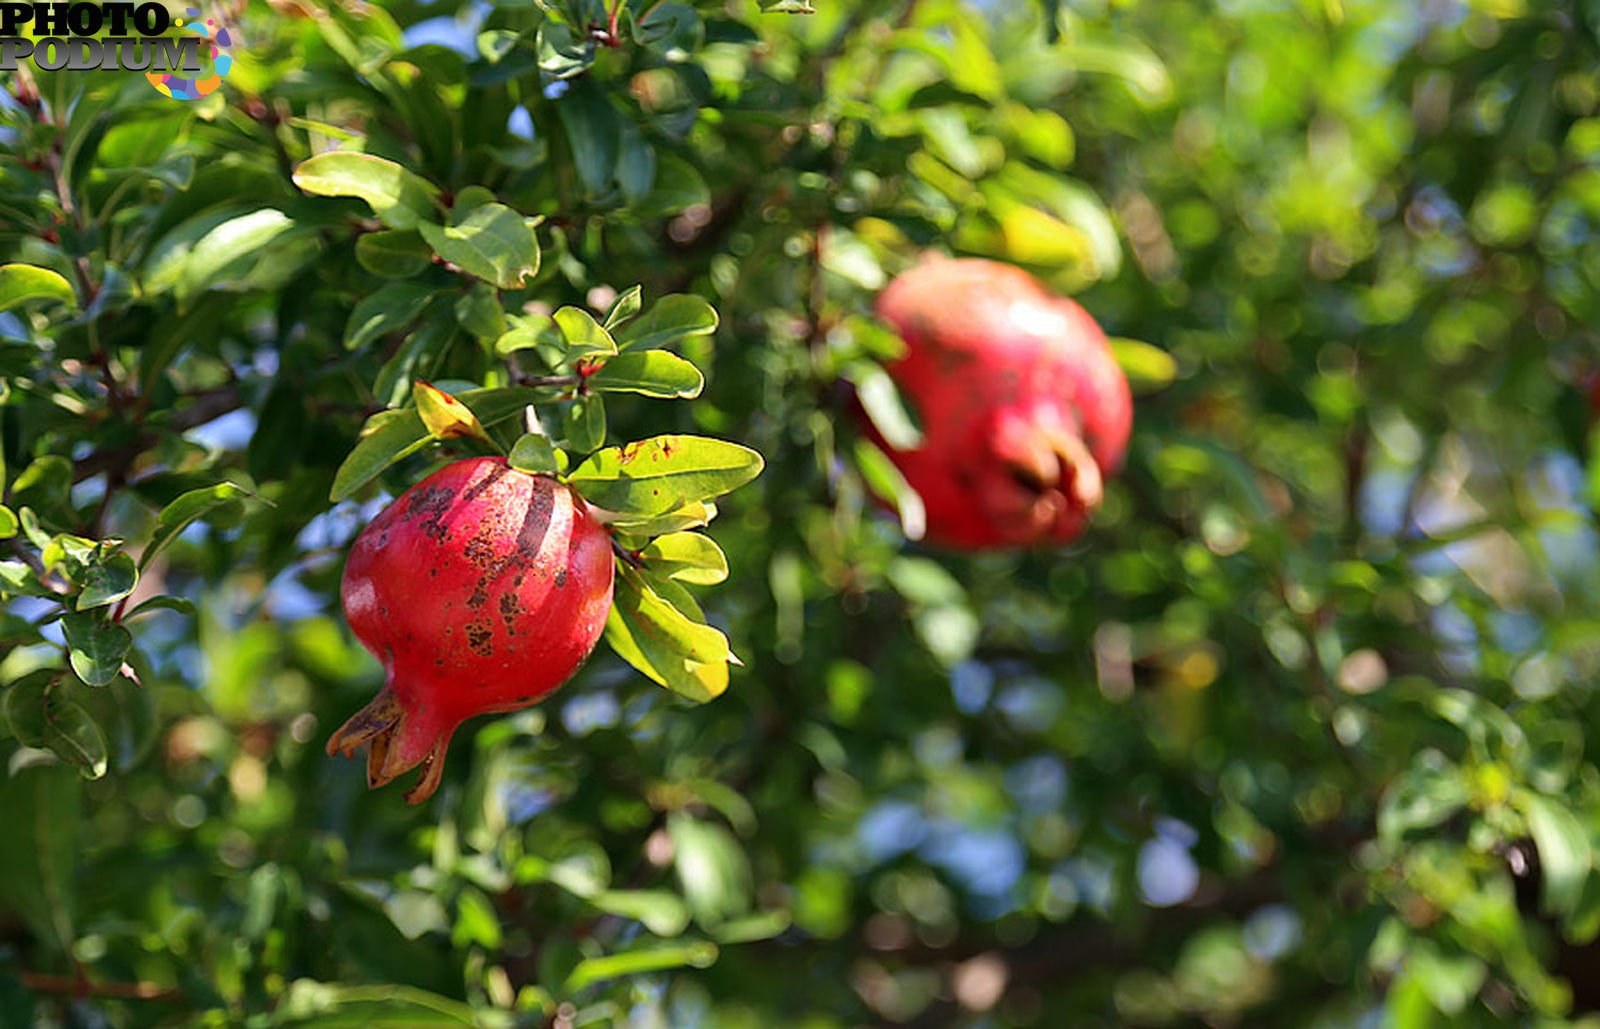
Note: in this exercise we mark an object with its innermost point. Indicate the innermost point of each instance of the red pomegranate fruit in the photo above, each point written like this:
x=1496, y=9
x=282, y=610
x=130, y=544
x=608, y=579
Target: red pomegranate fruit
x=481, y=589
x=1024, y=409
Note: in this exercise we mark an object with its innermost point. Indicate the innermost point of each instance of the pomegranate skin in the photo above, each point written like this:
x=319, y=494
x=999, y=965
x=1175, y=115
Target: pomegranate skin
x=1024, y=408
x=481, y=589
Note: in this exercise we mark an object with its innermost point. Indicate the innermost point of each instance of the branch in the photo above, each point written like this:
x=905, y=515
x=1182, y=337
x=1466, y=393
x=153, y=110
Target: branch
x=43, y=983
x=206, y=407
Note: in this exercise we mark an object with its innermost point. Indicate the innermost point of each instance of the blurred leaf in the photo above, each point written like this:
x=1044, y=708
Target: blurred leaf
x=1148, y=368
x=644, y=959
x=585, y=424
x=20, y=283
x=43, y=806
x=390, y=309
x=393, y=254
x=1564, y=852
x=184, y=511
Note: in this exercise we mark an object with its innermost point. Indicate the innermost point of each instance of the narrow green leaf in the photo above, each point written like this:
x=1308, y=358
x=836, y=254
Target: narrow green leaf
x=636, y=962
x=184, y=510
x=20, y=283
x=492, y=243
x=655, y=373
x=884, y=406
x=18, y=580
x=96, y=647
x=689, y=516
x=673, y=317
x=1148, y=368
x=534, y=453
x=667, y=644
x=656, y=475
x=1564, y=852
x=686, y=556
x=398, y=197
x=178, y=604
x=8, y=522
x=885, y=481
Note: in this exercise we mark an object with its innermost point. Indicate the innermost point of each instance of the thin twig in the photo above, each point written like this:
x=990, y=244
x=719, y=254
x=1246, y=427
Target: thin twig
x=77, y=987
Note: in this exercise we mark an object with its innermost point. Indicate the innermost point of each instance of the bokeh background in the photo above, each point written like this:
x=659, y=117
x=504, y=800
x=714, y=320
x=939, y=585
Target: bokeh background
x=1300, y=733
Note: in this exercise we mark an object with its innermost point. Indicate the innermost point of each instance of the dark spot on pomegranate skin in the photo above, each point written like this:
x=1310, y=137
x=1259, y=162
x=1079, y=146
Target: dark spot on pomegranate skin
x=561, y=578
x=479, y=550
x=480, y=638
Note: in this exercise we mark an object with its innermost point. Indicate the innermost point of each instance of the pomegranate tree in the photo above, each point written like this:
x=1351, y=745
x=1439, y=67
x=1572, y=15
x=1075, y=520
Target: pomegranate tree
x=1024, y=409
x=481, y=589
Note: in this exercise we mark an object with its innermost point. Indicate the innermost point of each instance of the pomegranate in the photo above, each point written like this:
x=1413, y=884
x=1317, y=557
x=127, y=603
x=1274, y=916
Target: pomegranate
x=1023, y=406
x=481, y=589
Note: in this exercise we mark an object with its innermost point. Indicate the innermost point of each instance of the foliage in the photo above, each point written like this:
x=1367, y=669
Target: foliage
x=1301, y=730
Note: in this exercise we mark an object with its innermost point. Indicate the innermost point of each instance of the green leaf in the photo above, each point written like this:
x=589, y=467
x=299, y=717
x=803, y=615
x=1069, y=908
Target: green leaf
x=672, y=30
x=96, y=647
x=391, y=436
x=1564, y=852
x=624, y=307
x=8, y=522
x=38, y=864
x=393, y=254
x=184, y=510
x=884, y=479
x=390, y=309
x=444, y=416
x=583, y=334
x=593, y=132
x=654, y=373
x=661, y=912
x=673, y=317
x=712, y=867
x=178, y=604
x=334, y=1006
x=664, y=642
x=689, y=516
x=492, y=243
x=686, y=556
x=534, y=453
x=20, y=283
x=399, y=198
x=787, y=7
x=1148, y=368
x=231, y=250
x=585, y=424
x=656, y=475
x=479, y=312
x=107, y=581
x=884, y=406
x=18, y=580
x=700, y=954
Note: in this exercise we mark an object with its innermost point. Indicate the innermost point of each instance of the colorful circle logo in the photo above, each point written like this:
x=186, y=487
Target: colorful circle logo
x=217, y=41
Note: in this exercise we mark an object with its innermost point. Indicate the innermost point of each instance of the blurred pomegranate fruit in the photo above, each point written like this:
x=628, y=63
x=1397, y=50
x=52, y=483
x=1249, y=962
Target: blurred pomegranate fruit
x=1024, y=409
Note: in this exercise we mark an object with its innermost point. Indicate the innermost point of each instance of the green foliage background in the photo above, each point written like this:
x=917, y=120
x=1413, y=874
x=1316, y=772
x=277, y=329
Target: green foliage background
x=1301, y=732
